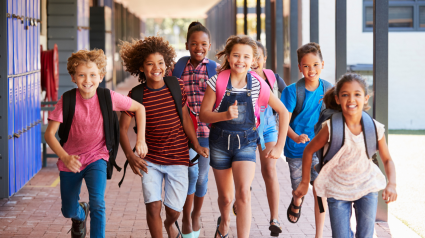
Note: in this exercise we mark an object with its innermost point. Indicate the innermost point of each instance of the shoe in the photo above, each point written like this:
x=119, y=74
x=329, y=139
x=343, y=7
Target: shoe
x=275, y=229
x=178, y=228
x=78, y=229
x=196, y=233
x=217, y=231
x=290, y=212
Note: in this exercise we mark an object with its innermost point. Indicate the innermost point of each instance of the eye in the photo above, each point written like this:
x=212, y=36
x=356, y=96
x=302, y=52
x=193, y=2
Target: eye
x=344, y=95
x=93, y=75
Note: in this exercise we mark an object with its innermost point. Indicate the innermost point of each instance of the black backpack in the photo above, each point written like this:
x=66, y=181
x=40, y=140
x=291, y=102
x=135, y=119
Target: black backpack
x=173, y=85
x=110, y=123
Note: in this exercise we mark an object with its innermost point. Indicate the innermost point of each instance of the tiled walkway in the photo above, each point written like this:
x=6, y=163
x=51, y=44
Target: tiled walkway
x=35, y=211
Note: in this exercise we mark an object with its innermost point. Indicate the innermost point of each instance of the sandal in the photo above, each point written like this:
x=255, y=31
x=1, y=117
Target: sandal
x=178, y=228
x=217, y=231
x=275, y=229
x=290, y=212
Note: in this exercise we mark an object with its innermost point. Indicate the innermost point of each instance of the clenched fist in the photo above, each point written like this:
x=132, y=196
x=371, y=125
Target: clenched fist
x=232, y=111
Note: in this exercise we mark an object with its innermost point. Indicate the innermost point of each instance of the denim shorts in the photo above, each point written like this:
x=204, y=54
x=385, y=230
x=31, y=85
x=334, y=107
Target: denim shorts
x=175, y=188
x=270, y=131
x=296, y=170
x=227, y=147
x=198, y=173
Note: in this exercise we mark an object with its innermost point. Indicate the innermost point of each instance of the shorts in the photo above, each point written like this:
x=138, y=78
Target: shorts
x=227, y=147
x=270, y=131
x=176, y=184
x=295, y=170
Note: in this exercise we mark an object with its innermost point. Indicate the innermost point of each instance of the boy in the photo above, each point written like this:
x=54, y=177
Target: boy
x=168, y=156
x=84, y=155
x=304, y=115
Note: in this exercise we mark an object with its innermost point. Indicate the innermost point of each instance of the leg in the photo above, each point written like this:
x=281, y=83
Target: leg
x=224, y=181
x=95, y=177
x=153, y=216
x=295, y=171
x=319, y=217
x=187, y=208
x=70, y=187
x=366, y=214
x=340, y=214
x=243, y=174
x=171, y=217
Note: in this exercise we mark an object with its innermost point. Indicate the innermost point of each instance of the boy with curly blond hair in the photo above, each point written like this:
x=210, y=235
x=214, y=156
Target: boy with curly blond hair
x=168, y=127
x=84, y=155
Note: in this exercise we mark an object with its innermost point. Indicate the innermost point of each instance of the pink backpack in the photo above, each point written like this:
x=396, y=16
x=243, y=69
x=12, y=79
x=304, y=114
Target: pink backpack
x=271, y=77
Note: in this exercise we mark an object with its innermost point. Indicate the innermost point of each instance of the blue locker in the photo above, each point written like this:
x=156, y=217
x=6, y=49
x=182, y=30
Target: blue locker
x=10, y=108
x=17, y=140
x=38, y=117
x=37, y=86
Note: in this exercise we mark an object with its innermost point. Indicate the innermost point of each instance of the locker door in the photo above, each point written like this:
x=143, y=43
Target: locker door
x=10, y=108
x=38, y=117
x=17, y=128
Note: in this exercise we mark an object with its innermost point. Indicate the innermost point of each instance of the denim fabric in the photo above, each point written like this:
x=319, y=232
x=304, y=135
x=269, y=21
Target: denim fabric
x=340, y=214
x=296, y=170
x=198, y=174
x=270, y=130
x=70, y=186
x=176, y=184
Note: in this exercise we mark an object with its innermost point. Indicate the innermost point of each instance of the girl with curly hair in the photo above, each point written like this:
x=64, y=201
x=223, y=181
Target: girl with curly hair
x=168, y=154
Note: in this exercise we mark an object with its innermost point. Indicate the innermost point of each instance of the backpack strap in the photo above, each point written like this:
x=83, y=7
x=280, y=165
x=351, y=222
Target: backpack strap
x=326, y=87
x=337, y=136
x=174, y=87
x=220, y=86
x=211, y=68
x=179, y=66
x=68, y=110
x=370, y=134
x=137, y=95
x=105, y=103
x=300, y=93
x=271, y=77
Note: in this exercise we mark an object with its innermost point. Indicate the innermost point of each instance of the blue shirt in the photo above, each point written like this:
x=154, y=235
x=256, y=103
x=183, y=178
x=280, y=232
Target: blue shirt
x=305, y=121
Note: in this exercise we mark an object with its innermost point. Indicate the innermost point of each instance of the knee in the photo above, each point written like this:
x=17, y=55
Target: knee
x=153, y=209
x=225, y=200
x=97, y=204
x=172, y=215
x=68, y=213
x=268, y=172
x=243, y=195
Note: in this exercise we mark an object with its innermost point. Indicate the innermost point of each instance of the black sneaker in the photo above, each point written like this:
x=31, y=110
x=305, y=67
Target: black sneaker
x=78, y=229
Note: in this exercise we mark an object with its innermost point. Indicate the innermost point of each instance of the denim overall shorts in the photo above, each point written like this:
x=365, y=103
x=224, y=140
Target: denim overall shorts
x=236, y=139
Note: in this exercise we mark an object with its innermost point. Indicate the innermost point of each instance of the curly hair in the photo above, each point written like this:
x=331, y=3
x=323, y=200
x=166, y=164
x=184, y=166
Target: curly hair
x=86, y=56
x=231, y=41
x=311, y=47
x=134, y=54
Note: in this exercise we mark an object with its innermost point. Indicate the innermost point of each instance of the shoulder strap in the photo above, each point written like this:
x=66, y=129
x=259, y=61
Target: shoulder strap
x=137, y=93
x=300, y=93
x=263, y=98
x=369, y=133
x=105, y=103
x=211, y=68
x=174, y=87
x=220, y=86
x=271, y=77
x=68, y=110
x=337, y=136
x=179, y=66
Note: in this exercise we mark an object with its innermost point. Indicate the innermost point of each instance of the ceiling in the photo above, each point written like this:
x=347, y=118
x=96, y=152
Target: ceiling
x=169, y=8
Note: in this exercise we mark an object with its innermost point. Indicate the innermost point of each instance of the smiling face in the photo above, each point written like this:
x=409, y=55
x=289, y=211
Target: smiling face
x=154, y=67
x=198, y=45
x=87, y=77
x=352, y=98
x=311, y=66
x=241, y=58
x=258, y=65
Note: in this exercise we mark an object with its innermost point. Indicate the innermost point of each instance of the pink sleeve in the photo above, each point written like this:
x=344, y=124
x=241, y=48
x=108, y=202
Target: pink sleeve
x=120, y=102
x=56, y=114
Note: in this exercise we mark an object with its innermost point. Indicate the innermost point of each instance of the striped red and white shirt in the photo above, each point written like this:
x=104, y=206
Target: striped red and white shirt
x=165, y=137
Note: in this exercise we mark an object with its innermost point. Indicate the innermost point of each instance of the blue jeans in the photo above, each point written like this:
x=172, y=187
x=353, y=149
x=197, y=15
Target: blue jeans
x=198, y=174
x=340, y=214
x=70, y=186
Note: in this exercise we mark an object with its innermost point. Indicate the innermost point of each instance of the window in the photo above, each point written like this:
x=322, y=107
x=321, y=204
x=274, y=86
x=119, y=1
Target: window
x=403, y=15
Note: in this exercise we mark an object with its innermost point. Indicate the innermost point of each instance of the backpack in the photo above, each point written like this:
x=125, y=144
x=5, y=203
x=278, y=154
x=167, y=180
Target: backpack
x=182, y=62
x=260, y=105
x=300, y=92
x=271, y=77
x=337, y=137
x=110, y=123
x=173, y=85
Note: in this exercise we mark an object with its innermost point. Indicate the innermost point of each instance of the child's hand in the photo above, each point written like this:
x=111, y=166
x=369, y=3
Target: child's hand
x=72, y=163
x=303, y=138
x=202, y=151
x=389, y=194
x=233, y=112
x=301, y=191
x=137, y=164
x=274, y=153
x=141, y=148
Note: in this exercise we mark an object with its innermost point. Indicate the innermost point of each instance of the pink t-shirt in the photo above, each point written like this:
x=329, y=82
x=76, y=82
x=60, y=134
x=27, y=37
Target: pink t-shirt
x=87, y=137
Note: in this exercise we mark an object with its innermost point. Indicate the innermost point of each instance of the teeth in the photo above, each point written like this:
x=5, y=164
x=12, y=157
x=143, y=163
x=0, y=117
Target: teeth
x=199, y=53
x=352, y=106
x=156, y=74
x=240, y=66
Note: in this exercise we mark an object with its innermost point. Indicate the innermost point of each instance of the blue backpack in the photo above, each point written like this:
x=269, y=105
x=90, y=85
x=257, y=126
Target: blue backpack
x=182, y=62
x=337, y=137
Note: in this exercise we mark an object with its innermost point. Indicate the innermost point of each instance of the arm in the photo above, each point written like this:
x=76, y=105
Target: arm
x=303, y=138
x=139, y=109
x=206, y=114
x=390, y=193
x=70, y=161
x=136, y=163
x=318, y=142
x=191, y=134
x=278, y=106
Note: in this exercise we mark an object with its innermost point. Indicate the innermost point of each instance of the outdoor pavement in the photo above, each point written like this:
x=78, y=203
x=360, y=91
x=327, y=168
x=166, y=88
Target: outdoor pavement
x=35, y=211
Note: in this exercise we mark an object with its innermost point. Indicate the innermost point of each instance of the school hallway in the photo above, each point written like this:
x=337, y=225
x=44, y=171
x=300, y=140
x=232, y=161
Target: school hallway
x=35, y=211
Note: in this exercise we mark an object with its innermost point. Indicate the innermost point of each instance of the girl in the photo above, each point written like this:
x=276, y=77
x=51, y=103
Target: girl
x=233, y=135
x=195, y=71
x=350, y=176
x=268, y=166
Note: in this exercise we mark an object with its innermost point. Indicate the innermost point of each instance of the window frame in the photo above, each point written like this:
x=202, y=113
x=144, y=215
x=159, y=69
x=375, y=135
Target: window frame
x=416, y=4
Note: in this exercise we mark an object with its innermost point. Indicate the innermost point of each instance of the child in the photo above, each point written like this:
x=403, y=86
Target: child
x=268, y=166
x=233, y=135
x=301, y=130
x=168, y=156
x=350, y=176
x=194, y=71
x=84, y=155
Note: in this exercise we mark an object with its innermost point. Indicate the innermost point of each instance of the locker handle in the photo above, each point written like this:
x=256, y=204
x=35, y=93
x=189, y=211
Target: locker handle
x=7, y=15
x=16, y=135
x=10, y=137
